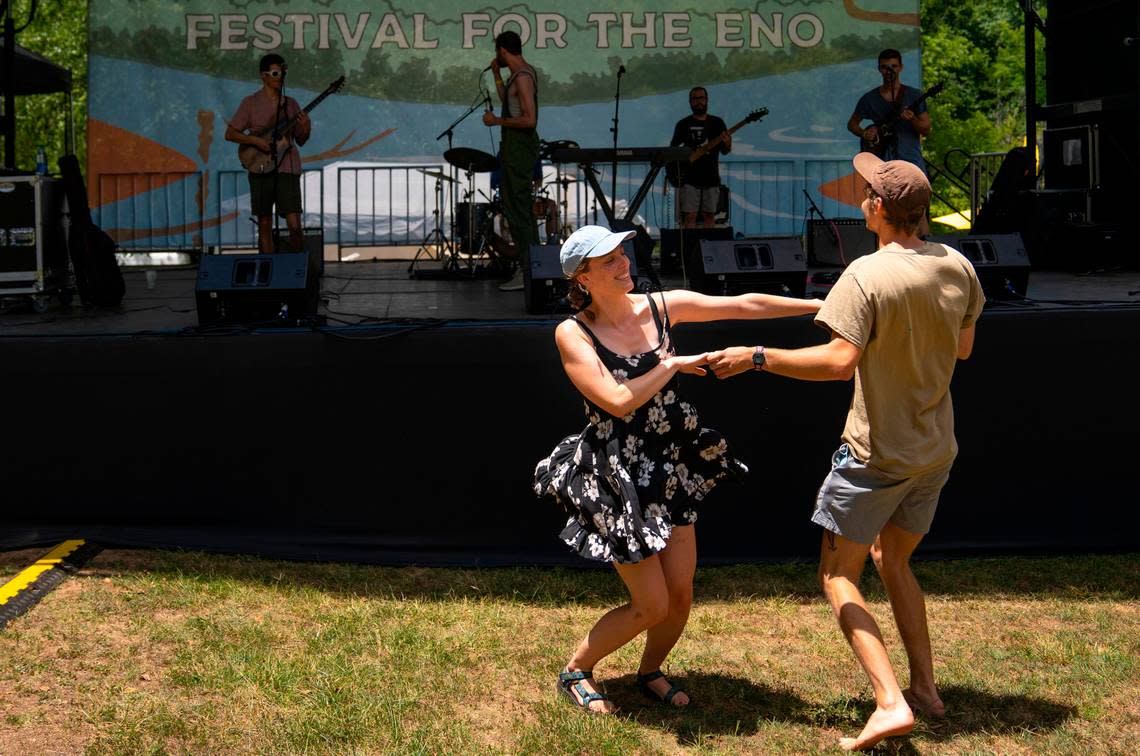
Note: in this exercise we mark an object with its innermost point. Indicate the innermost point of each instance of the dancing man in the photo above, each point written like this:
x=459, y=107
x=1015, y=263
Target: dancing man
x=899, y=319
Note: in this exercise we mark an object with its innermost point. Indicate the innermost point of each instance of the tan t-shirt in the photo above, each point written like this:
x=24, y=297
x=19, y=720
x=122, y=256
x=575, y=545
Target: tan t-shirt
x=257, y=112
x=904, y=308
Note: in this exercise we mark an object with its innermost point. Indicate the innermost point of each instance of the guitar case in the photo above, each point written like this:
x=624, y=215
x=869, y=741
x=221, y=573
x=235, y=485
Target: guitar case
x=97, y=275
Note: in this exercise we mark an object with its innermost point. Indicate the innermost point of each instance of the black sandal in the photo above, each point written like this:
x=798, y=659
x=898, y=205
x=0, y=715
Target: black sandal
x=643, y=683
x=569, y=683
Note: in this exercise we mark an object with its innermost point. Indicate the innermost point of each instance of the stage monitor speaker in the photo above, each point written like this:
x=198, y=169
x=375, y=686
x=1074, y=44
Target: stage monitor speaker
x=544, y=283
x=684, y=244
x=772, y=265
x=823, y=248
x=258, y=289
x=1000, y=260
x=314, y=244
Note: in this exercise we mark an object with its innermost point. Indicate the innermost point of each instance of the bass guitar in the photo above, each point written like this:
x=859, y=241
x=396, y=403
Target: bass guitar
x=256, y=161
x=674, y=171
x=886, y=129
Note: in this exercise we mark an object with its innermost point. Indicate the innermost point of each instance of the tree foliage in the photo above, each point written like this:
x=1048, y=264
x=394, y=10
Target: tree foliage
x=58, y=32
x=977, y=49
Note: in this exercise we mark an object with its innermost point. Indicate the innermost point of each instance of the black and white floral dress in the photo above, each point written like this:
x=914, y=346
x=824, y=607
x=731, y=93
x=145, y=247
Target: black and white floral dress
x=625, y=482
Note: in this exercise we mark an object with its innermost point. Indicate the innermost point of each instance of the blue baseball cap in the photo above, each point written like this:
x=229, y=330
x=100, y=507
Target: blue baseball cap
x=590, y=241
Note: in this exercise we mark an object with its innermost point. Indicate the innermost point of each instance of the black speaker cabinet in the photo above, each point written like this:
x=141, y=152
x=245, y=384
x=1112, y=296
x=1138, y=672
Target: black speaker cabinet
x=256, y=289
x=684, y=244
x=1000, y=260
x=314, y=244
x=544, y=283
x=771, y=266
x=824, y=238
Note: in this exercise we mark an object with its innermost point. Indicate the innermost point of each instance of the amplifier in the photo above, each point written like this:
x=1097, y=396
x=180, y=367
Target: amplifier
x=680, y=247
x=1000, y=260
x=256, y=289
x=773, y=265
x=544, y=283
x=314, y=244
x=824, y=248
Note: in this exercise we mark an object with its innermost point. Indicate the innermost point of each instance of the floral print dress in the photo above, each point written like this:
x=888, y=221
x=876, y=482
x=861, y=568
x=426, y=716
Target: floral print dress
x=625, y=482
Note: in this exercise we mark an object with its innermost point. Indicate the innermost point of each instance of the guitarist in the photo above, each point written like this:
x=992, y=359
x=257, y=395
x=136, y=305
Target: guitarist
x=700, y=180
x=892, y=101
x=257, y=114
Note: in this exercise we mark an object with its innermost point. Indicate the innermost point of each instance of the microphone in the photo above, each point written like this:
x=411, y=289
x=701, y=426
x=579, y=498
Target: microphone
x=621, y=70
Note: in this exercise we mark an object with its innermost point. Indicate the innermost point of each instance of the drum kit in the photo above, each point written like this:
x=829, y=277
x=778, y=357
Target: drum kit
x=482, y=235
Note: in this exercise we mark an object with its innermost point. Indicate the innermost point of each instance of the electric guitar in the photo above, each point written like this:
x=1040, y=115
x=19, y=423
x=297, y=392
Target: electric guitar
x=673, y=171
x=256, y=161
x=886, y=133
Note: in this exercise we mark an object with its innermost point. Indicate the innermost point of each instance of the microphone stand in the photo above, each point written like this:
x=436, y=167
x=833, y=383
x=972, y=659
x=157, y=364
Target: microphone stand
x=449, y=132
x=830, y=226
x=613, y=169
x=274, y=136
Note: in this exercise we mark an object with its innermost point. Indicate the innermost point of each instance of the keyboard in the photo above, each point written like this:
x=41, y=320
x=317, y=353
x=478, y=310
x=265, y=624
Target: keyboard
x=584, y=155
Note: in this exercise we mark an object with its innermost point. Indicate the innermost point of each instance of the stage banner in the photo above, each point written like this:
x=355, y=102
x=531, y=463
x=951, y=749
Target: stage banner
x=166, y=76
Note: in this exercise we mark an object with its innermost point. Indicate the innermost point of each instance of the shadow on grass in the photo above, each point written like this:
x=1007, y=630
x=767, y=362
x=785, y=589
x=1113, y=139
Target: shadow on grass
x=969, y=711
x=721, y=705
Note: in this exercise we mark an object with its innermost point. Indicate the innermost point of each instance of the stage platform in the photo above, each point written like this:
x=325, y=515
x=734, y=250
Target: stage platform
x=407, y=429
x=361, y=293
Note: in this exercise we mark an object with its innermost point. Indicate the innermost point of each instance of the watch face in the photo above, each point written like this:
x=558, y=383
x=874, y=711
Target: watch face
x=758, y=360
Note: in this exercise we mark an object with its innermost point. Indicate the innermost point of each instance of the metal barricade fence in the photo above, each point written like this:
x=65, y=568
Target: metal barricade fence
x=983, y=168
x=151, y=211
x=765, y=196
x=400, y=205
x=397, y=205
x=236, y=226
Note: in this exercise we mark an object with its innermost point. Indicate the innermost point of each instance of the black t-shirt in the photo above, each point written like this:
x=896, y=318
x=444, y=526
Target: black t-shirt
x=692, y=133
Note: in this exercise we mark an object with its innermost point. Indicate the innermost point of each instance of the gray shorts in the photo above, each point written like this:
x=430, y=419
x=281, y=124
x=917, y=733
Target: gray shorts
x=698, y=199
x=856, y=501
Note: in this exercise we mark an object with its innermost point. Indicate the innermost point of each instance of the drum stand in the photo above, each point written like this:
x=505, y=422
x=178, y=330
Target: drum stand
x=436, y=244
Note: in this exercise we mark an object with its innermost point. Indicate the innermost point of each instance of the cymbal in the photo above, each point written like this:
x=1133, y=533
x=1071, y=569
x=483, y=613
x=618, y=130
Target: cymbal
x=469, y=159
x=436, y=175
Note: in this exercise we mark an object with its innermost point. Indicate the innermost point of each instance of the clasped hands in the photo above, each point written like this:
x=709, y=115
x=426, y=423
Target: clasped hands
x=724, y=363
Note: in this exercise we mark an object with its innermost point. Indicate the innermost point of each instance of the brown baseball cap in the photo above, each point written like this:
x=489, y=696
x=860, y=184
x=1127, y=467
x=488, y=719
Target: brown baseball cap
x=901, y=184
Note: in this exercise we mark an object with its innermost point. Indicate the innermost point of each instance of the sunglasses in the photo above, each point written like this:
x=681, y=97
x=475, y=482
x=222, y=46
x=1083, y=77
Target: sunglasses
x=275, y=73
x=890, y=67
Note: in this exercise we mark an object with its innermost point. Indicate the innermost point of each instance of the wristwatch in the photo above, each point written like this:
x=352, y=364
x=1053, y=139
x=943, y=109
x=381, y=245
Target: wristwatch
x=759, y=358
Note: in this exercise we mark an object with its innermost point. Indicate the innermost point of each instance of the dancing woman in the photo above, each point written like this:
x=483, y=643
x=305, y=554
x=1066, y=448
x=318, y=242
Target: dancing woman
x=633, y=480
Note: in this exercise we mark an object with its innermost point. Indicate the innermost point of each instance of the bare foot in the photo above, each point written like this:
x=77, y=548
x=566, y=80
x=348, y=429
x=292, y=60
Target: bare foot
x=661, y=686
x=927, y=704
x=603, y=706
x=884, y=723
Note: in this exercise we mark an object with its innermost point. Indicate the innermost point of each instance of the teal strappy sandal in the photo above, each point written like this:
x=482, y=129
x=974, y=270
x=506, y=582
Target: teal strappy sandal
x=643, y=683
x=570, y=683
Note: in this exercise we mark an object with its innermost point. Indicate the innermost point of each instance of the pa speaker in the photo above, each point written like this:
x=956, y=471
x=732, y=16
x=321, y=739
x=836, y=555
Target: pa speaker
x=256, y=289
x=679, y=246
x=544, y=283
x=771, y=266
x=838, y=241
x=1000, y=260
x=314, y=245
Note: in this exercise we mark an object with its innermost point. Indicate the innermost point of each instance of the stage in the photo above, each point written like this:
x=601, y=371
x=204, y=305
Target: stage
x=378, y=292
x=407, y=429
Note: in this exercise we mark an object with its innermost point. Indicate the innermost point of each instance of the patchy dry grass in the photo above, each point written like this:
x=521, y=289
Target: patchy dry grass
x=151, y=652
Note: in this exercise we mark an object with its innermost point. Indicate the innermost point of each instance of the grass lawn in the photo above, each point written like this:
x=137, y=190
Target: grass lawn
x=151, y=652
